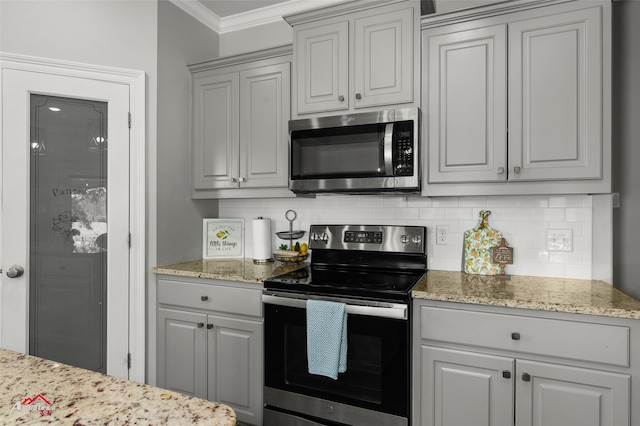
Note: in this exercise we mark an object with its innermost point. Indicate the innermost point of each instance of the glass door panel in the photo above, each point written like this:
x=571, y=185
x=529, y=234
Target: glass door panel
x=68, y=230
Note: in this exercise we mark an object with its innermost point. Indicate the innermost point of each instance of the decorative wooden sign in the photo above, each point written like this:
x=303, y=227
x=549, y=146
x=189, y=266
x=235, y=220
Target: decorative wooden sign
x=502, y=254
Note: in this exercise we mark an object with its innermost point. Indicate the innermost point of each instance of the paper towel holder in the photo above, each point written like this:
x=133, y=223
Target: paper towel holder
x=262, y=261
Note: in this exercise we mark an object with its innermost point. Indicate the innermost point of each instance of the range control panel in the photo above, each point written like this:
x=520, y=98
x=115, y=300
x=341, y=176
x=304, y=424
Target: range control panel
x=382, y=238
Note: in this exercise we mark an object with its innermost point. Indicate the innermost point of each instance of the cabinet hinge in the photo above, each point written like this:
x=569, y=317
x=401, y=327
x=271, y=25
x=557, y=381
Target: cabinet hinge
x=129, y=361
x=129, y=120
x=129, y=240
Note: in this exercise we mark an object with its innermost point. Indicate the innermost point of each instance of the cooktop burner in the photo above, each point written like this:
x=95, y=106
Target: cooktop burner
x=359, y=261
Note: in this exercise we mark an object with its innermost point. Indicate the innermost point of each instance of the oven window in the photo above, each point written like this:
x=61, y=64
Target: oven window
x=377, y=375
x=356, y=151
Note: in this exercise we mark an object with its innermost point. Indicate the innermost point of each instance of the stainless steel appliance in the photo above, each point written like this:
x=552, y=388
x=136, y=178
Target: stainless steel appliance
x=372, y=152
x=371, y=269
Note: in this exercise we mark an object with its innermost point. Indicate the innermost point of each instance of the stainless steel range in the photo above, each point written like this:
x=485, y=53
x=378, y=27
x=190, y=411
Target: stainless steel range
x=367, y=272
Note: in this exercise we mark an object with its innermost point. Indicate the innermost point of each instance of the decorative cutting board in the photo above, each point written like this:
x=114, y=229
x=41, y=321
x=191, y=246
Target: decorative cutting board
x=478, y=247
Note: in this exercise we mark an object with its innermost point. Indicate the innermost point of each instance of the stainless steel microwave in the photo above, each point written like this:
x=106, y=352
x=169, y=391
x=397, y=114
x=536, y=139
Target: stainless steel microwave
x=365, y=153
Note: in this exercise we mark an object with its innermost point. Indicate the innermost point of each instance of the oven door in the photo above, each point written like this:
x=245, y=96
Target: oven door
x=374, y=389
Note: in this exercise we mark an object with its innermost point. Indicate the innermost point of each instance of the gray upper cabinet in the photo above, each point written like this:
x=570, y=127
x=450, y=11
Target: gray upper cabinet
x=518, y=99
x=354, y=56
x=322, y=64
x=466, y=103
x=241, y=109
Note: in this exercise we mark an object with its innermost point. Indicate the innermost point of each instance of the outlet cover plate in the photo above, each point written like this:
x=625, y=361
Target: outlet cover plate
x=559, y=239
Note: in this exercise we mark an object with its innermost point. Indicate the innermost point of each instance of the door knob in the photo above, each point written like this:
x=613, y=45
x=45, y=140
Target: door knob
x=15, y=271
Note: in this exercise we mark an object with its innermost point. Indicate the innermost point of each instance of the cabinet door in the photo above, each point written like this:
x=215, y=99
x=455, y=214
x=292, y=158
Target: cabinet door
x=322, y=67
x=384, y=57
x=466, y=99
x=264, y=115
x=555, y=96
x=465, y=389
x=216, y=136
x=235, y=377
x=558, y=395
x=182, y=352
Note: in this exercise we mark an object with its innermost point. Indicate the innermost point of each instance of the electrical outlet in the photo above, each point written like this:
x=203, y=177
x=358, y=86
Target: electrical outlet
x=442, y=234
x=559, y=239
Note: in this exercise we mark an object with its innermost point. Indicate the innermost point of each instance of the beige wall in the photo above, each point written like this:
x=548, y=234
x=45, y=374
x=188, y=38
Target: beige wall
x=256, y=38
x=181, y=40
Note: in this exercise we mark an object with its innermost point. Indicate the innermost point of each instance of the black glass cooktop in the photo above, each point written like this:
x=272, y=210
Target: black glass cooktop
x=370, y=284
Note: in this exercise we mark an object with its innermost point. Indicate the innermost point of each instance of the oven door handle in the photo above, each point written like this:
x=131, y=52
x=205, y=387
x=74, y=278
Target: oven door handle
x=394, y=310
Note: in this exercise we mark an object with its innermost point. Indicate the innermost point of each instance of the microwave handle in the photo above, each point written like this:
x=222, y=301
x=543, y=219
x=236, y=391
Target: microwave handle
x=388, y=149
x=396, y=311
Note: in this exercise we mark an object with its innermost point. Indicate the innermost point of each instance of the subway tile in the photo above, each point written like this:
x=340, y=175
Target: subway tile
x=517, y=214
x=458, y=213
x=406, y=213
x=548, y=214
x=476, y=201
x=419, y=202
x=533, y=201
x=566, y=200
x=445, y=202
x=501, y=201
x=432, y=213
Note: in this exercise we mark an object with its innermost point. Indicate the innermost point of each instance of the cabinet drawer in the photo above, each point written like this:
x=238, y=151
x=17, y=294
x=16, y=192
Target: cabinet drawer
x=211, y=297
x=607, y=344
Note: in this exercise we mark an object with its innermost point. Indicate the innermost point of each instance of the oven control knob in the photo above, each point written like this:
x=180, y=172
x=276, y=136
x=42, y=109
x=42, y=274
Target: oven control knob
x=404, y=239
x=416, y=239
x=328, y=409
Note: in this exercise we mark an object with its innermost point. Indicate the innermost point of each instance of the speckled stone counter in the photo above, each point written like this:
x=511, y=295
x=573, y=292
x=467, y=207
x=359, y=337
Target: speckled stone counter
x=228, y=269
x=38, y=391
x=549, y=294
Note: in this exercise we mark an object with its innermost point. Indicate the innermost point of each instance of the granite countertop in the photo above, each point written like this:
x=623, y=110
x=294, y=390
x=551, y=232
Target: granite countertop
x=228, y=269
x=590, y=297
x=74, y=396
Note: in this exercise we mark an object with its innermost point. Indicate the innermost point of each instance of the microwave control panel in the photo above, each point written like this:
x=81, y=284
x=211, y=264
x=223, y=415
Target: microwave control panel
x=403, y=148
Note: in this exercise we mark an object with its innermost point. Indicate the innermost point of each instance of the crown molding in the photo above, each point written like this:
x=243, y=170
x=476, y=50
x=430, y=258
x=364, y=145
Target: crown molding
x=262, y=16
x=273, y=13
x=200, y=12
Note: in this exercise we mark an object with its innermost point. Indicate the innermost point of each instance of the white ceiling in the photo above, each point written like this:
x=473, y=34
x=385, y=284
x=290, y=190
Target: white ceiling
x=229, y=15
x=224, y=8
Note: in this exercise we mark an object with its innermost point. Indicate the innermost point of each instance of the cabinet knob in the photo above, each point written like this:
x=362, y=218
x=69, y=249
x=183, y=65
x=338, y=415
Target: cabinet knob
x=200, y=324
x=209, y=326
x=204, y=298
x=515, y=336
x=500, y=170
x=526, y=377
x=341, y=98
x=506, y=374
x=234, y=180
x=241, y=179
x=516, y=169
x=358, y=96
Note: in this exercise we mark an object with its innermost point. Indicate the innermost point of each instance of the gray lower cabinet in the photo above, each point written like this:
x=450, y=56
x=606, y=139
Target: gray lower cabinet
x=210, y=343
x=489, y=368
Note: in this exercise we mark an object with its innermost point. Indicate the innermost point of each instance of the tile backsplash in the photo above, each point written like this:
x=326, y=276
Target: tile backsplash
x=522, y=220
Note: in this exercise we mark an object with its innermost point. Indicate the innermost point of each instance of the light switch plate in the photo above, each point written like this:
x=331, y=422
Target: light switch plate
x=559, y=239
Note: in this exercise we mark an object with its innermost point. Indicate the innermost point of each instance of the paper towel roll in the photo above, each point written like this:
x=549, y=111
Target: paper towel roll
x=261, y=240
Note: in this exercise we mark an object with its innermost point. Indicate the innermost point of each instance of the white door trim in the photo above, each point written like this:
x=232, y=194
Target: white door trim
x=137, y=202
